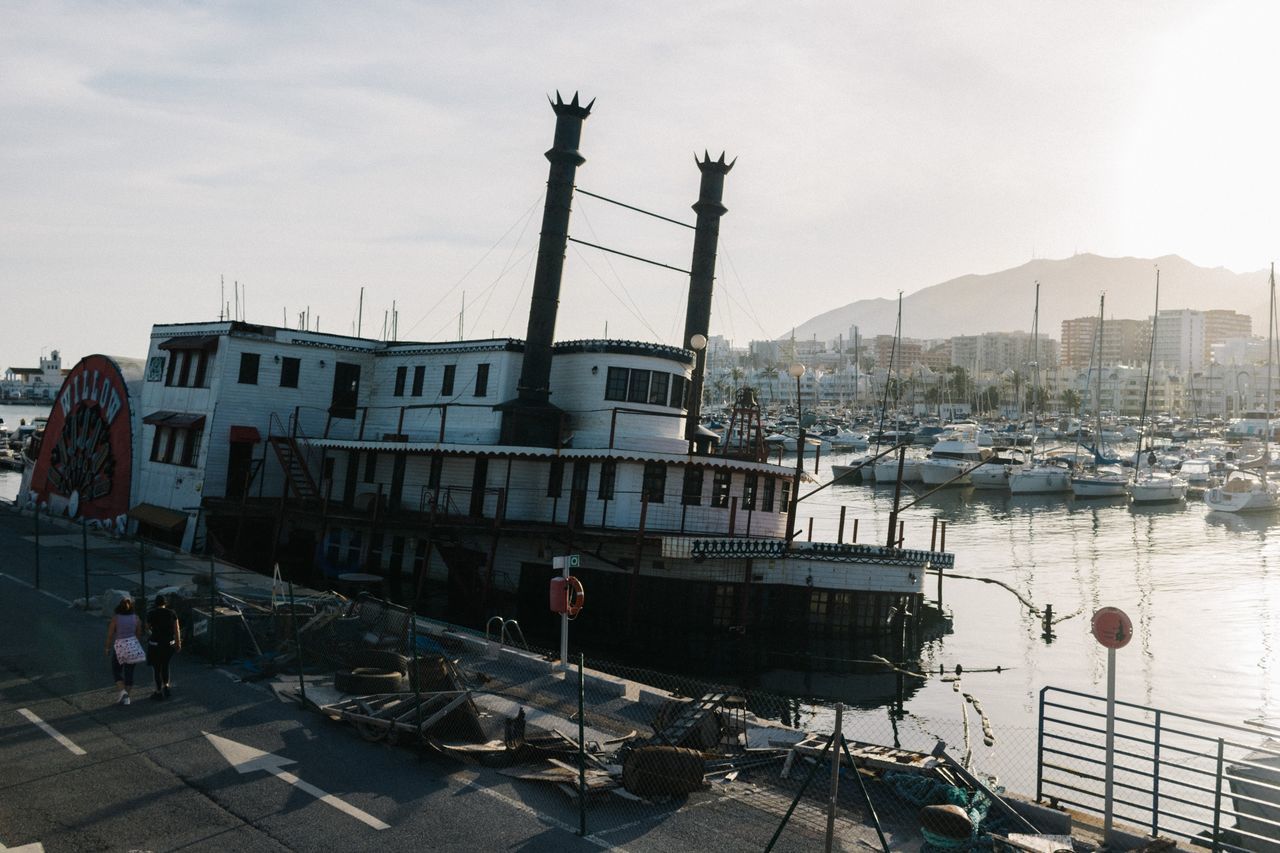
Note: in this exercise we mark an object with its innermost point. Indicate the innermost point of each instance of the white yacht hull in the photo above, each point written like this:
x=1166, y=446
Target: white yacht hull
x=1259, y=498
x=886, y=470
x=1040, y=481
x=1098, y=487
x=1158, y=490
x=991, y=476
x=936, y=472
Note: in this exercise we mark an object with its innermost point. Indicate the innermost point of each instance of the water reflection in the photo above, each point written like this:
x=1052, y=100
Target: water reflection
x=1242, y=522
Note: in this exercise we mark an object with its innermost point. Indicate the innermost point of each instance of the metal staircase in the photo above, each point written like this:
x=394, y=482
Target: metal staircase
x=293, y=461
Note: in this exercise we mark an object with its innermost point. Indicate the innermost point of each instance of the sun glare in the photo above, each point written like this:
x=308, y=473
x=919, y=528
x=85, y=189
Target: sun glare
x=1201, y=173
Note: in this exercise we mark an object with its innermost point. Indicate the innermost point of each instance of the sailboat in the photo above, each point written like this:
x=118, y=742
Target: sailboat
x=1246, y=489
x=1151, y=486
x=1041, y=476
x=1106, y=481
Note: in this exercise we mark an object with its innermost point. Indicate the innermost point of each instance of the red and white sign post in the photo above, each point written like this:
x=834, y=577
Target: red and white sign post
x=1113, y=630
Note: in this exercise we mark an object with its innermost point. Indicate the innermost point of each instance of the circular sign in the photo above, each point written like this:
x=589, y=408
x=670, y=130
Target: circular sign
x=1111, y=627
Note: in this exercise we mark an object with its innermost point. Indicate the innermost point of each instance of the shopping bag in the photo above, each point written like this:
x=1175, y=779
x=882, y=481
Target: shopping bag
x=129, y=650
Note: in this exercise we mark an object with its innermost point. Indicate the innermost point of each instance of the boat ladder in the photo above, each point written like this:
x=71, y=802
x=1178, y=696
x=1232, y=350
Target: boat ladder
x=508, y=632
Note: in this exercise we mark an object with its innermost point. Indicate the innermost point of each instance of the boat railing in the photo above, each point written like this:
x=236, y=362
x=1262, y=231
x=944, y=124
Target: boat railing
x=1176, y=775
x=586, y=509
x=507, y=632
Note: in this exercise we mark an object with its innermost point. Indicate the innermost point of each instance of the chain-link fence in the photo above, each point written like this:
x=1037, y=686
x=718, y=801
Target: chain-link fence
x=619, y=752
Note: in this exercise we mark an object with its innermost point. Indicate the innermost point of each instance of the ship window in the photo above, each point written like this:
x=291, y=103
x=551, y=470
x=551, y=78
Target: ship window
x=678, y=384
x=638, y=389
x=191, y=447
x=722, y=606
x=249, y=368
x=658, y=388
x=184, y=370
x=720, y=481
x=608, y=475
x=655, y=482
x=766, y=496
x=419, y=378
x=841, y=612
x=749, y=482
x=288, y=372
x=170, y=441
x=692, y=494
x=157, y=441
x=482, y=380
x=401, y=373
x=332, y=542
x=446, y=383
x=785, y=498
x=555, y=479
x=615, y=387
x=818, y=601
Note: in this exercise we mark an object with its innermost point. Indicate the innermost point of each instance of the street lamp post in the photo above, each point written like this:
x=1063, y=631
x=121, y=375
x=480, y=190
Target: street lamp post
x=796, y=370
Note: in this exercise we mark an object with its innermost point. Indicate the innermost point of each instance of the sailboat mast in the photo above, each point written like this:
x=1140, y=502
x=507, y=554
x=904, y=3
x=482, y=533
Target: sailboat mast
x=1146, y=389
x=1035, y=372
x=893, y=352
x=1271, y=338
x=1097, y=408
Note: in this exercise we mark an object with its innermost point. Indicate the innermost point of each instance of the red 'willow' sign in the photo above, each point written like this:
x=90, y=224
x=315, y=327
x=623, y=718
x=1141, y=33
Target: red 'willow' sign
x=87, y=451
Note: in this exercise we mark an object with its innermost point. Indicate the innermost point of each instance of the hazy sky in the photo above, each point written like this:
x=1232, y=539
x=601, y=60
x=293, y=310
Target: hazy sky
x=306, y=150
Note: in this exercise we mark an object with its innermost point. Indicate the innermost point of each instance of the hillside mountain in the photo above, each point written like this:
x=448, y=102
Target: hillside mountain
x=1069, y=288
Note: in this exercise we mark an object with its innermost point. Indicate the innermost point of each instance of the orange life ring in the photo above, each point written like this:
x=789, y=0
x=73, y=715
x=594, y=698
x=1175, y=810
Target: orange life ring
x=575, y=597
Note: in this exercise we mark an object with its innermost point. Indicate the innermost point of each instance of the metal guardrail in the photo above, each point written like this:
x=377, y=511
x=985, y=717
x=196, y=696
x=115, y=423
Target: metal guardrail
x=1176, y=775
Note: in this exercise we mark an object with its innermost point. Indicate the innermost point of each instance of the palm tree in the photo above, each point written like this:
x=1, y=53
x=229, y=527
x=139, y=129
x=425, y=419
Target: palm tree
x=1071, y=400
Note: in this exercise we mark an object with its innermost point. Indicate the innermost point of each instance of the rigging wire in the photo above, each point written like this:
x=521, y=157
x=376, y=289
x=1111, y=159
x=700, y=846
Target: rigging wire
x=621, y=302
x=506, y=267
x=750, y=309
x=629, y=303
x=528, y=271
x=481, y=260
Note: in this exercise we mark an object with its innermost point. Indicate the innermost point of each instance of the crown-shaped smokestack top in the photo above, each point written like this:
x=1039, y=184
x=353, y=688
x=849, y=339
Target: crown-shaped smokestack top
x=707, y=164
x=572, y=108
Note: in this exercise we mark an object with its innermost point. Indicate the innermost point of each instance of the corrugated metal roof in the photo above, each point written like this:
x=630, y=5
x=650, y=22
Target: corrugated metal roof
x=515, y=452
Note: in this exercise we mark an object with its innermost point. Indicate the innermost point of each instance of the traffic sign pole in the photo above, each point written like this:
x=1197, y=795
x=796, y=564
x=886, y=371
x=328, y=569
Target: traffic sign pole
x=564, y=619
x=1109, y=784
x=1113, y=630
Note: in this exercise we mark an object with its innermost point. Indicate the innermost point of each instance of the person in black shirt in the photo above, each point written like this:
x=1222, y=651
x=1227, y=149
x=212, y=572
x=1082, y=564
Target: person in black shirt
x=165, y=640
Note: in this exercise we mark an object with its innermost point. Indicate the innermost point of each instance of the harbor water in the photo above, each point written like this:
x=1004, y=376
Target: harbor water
x=1202, y=589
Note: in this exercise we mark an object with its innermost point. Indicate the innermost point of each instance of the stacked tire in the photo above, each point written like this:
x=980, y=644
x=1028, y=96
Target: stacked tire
x=370, y=671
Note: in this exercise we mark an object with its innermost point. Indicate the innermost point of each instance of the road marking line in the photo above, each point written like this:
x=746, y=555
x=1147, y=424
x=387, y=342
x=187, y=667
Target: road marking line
x=55, y=597
x=534, y=813
x=247, y=759
x=41, y=591
x=52, y=732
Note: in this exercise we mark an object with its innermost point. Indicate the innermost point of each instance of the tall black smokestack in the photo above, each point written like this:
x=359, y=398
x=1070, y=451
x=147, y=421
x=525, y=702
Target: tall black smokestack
x=702, y=276
x=531, y=419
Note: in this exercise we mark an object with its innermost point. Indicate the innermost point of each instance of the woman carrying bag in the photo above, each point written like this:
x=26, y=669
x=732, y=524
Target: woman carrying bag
x=124, y=645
